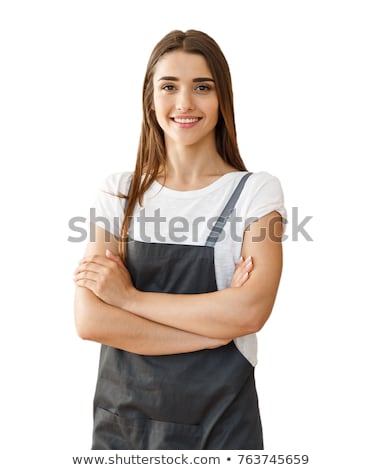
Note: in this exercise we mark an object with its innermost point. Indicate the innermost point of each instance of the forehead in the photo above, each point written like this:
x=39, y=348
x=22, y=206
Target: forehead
x=182, y=65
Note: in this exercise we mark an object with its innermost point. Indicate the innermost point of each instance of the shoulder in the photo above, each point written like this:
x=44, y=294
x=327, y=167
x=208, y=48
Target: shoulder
x=263, y=179
x=117, y=184
x=262, y=194
x=109, y=203
x=265, y=185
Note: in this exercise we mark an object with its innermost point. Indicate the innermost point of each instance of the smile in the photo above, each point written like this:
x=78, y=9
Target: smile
x=186, y=120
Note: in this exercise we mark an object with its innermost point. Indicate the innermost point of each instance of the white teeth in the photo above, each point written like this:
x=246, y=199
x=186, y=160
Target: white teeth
x=186, y=121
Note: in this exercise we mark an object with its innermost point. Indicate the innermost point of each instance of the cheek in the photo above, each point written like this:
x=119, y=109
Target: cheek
x=214, y=109
x=156, y=101
x=160, y=110
x=154, y=104
x=161, y=103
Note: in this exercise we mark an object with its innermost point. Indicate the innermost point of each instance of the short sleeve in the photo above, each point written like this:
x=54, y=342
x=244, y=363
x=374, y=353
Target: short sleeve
x=109, y=203
x=264, y=195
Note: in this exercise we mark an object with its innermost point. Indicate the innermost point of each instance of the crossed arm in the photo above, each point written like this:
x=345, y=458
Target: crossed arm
x=109, y=310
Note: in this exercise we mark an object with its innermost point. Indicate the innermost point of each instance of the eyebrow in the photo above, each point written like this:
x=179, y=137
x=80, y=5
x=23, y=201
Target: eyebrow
x=195, y=80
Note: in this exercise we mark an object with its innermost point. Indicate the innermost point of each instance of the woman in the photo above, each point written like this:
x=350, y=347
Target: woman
x=175, y=318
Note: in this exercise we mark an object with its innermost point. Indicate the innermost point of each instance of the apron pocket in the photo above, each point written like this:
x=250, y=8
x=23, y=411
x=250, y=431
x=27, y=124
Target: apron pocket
x=116, y=432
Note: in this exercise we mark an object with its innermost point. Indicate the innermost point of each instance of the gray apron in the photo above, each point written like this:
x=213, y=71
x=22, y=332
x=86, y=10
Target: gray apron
x=199, y=400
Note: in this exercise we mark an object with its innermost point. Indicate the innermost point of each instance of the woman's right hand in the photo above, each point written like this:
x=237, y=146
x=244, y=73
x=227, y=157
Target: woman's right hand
x=242, y=269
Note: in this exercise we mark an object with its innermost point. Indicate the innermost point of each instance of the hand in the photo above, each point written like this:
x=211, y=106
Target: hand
x=107, y=277
x=242, y=270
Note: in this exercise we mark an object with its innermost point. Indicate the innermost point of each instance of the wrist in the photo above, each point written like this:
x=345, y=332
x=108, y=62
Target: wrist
x=131, y=299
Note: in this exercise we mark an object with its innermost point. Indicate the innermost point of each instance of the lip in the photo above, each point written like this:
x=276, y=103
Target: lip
x=185, y=121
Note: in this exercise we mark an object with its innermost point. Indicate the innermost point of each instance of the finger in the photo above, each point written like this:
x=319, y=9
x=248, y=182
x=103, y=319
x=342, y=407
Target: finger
x=243, y=279
x=239, y=263
x=248, y=264
x=97, y=259
x=97, y=263
x=86, y=275
x=236, y=278
x=245, y=266
x=89, y=284
x=89, y=266
x=113, y=257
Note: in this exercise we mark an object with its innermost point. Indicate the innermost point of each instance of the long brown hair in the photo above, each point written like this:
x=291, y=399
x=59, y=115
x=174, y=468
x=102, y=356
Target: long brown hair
x=151, y=156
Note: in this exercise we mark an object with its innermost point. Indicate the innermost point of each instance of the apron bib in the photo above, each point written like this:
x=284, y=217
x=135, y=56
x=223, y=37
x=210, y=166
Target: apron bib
x=199, y=400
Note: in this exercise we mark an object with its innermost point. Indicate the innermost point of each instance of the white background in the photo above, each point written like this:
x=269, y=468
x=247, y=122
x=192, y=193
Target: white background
x=307, y=80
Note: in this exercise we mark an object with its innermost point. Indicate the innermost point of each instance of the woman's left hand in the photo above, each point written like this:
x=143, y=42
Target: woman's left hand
x=242, y=270
x=107, y=277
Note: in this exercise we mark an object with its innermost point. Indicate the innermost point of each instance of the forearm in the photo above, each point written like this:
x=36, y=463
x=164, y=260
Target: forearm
x=227, y=313
x=103, y=323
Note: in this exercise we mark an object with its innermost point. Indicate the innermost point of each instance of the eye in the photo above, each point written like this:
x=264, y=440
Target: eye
x=168, y=87
x=203, y=88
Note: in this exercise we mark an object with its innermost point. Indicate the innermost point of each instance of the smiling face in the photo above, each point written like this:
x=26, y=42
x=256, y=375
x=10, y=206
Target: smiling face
x=185, y=100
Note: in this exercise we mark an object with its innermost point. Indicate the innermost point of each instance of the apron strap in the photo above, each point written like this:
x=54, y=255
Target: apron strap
x=227, y=211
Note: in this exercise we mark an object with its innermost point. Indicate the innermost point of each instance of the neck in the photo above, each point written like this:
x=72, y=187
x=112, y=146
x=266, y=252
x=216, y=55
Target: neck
x=188, y=164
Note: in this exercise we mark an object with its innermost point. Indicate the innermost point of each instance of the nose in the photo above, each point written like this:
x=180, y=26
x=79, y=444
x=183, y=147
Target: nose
x=184, y=101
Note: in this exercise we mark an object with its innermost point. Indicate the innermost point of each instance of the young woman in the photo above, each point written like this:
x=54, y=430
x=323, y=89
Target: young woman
x=177, y=295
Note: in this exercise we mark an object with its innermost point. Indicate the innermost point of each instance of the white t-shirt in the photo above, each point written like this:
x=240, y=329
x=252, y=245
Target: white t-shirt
x=186, y=217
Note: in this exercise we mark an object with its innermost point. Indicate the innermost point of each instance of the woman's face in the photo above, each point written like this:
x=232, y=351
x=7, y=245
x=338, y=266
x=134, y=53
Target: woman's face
x=185, y=99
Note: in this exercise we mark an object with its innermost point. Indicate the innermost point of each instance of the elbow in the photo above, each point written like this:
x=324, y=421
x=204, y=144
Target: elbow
x=83, y=324
x=251, y=325
x=84, y=315
x=256, y=316
x=256, y=323
x=83, y=333
x=82, y=328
